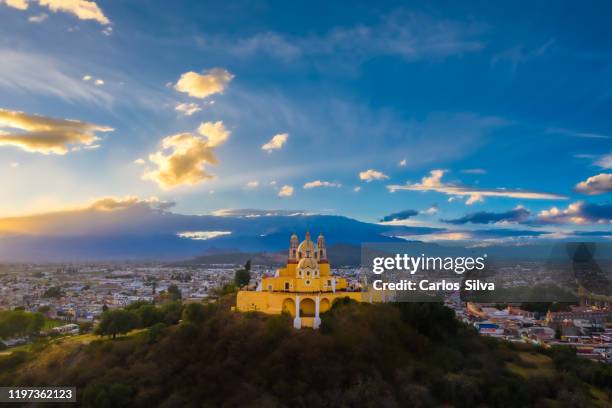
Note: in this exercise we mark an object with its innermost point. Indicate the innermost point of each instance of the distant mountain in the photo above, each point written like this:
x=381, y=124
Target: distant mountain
x=140, y=231
x=338, y=254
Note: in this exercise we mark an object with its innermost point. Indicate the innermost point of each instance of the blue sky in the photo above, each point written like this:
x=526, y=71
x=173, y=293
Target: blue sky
x=502, y=97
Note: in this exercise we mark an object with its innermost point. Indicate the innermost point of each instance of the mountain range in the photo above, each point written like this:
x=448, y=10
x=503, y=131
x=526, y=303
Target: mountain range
x=142, y=231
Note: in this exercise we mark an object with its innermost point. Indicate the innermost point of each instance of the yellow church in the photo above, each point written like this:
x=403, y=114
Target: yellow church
x=305, y=288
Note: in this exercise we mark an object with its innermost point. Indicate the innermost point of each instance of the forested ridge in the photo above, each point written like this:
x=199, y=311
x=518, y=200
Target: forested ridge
x=377, y=355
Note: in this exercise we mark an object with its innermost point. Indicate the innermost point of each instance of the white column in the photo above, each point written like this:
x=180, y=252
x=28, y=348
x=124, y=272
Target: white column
x=297, y=322
x=334, y=285
x=317, y=319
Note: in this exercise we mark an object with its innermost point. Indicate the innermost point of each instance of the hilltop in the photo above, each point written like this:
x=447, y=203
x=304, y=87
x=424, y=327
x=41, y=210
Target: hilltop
x=381, y=355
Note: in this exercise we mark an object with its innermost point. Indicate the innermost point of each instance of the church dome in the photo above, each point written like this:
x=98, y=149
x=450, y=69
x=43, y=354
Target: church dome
x=306, y=249
x=308, y=265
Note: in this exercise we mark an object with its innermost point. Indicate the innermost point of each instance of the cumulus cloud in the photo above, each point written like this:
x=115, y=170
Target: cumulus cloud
x=357, y=189
x=371, y=174
x=519, y=214
x=139, y=161
x=399, y=216
x=41, y=134
x=319, y=183
x=253, y=184
x=82, y=9
x=18, y=4
x=433, y=182
x=276, y=142
x=203, y=85
x=286, y=191
x=183, y=157
x=188, y=109
x=402, y=163
x=577, y=213
x=599, y=184
x=99, y=82
x=214, y=132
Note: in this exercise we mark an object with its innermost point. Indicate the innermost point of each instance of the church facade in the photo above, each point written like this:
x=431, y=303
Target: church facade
x=305, y=288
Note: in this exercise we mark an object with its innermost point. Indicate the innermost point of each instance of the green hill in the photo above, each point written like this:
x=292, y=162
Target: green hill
x=380, y=355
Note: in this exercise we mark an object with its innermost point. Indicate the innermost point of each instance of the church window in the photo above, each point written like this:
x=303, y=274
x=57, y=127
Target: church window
x=286, y=285
x=270, y=287
x=308, y=282
x=307, y=273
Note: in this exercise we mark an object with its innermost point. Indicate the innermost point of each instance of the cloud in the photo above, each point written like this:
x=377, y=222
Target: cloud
x=41, y=134
x=371, y=174
x=519, y=214
x=605, y=161
x=18, y=4
x=276, y=142
x=599, y=184
x=82, y=9
x=433, y=182
x=215, y=132
x=187, y=109
x=431, y=210
x=357, y=189
x=319, y=183
x=139, y=161
x=402, y=163
x=286, y=191
x=577, y=134
x=253, y=184
x=577, y=213
x=123, y=203
x=87, y=78
x=203, y=85
x=38, y=19
x=42, y=75
x=474, y=171
x=252, y=213
x=202, y=235
x=267, y=42
x=99, y=82
x=408, y=35
x=399, y=216
x=183, y=156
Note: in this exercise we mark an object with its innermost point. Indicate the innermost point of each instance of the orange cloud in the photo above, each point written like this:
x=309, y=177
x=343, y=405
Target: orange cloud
x=46, y=135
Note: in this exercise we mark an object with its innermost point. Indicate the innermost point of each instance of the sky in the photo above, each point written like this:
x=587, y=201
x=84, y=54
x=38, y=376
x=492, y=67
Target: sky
x=470, y=114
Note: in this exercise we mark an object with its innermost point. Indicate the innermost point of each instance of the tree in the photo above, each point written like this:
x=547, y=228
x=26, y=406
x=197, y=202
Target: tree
x=149, y=315
x=115, y=322
x=174, y=293
x=243, y=276
x=172, y=312
x=20, y=323
x=194, y=312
